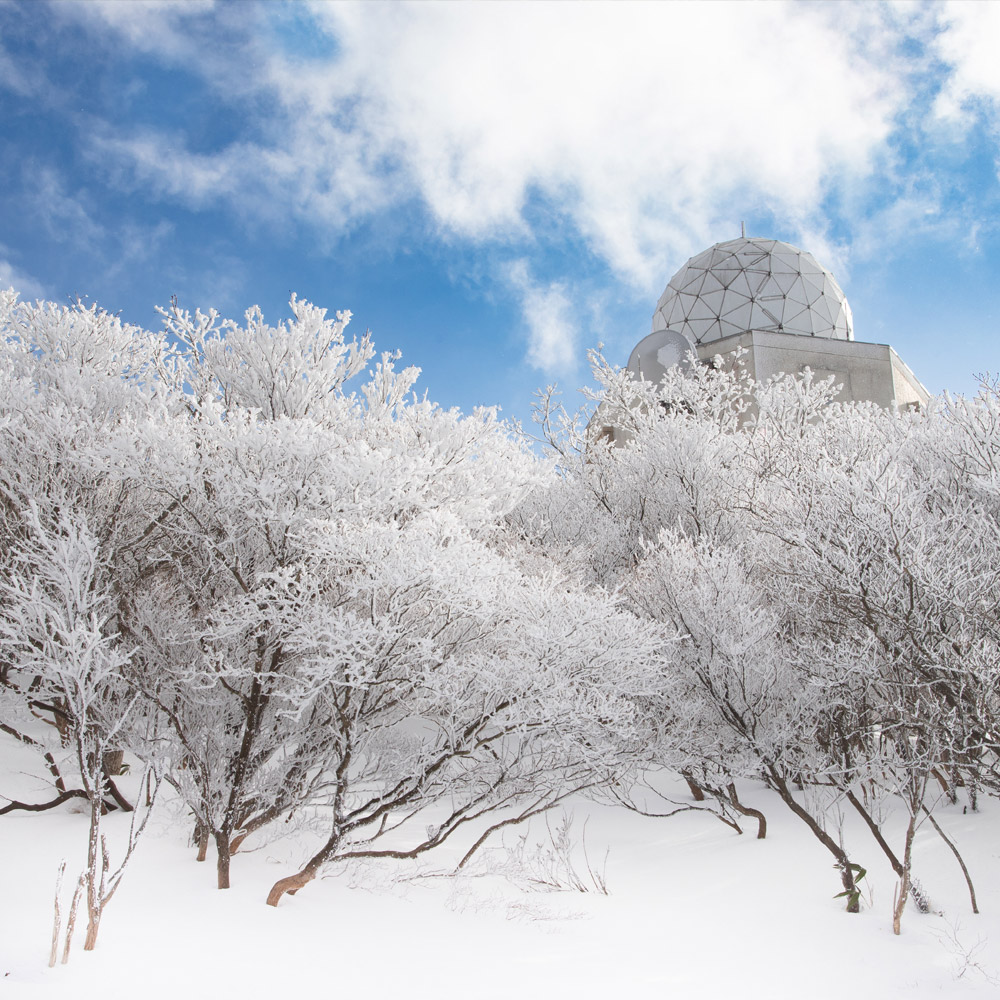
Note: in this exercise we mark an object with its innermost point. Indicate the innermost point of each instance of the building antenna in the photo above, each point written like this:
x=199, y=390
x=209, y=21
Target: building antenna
x=743, y=230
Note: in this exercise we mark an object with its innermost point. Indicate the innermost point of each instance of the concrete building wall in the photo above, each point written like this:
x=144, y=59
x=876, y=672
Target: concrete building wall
x=909, y=391
x=865, y=372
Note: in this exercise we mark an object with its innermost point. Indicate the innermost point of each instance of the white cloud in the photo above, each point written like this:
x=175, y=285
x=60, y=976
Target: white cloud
x=911, y=217
x=648, y=128
x=645, y=130
x=647, y=125
x=161, y=162
x=65, y=214
x=547, y=312
x=70, y=218
x=17, y=75
x=147, y=25
x=968, y=42
x=12, y=277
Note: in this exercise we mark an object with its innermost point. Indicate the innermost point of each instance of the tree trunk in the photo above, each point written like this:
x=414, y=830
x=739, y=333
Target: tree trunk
x=946, y=785
x=64, y=724
x=904, y=881
x=291, y=885
x=222, y=863
x=201, y=841
x=93, y=925
x=850, y=888
x=916, y=890
x=748, y=811
x=958, y=857
x=112, y=762
x=843, y=861
x=697, y=792
x=71, y=923
x=56, y=918
x=96, y=862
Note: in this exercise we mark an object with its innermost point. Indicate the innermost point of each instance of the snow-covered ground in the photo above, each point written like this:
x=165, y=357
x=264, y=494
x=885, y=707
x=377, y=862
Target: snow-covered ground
x=692, y=910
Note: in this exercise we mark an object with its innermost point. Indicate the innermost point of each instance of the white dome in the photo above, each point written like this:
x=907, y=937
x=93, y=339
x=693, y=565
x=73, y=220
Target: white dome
x=657, y=352
x=753, y=284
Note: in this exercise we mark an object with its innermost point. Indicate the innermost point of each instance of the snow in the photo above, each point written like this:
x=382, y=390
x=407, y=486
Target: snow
x=693, y=910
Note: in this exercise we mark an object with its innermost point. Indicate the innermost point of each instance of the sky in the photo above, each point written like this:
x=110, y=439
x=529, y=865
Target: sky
x=495, y=188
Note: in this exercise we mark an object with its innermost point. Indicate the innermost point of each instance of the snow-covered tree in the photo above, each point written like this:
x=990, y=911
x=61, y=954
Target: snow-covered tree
x=332, y=613
x=829, y=568
x=71, y=380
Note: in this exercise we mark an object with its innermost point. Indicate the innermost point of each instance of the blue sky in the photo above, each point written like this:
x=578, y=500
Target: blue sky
x=494, y=188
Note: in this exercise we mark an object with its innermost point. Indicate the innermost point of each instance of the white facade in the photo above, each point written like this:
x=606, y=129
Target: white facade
x=862, y=371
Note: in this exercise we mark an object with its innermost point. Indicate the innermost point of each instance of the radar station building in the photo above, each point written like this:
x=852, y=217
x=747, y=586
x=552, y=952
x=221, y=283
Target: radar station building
x=784, y=309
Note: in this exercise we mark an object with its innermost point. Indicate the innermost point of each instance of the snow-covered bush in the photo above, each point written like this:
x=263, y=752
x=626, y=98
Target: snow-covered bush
x=73, y=384
x=832, y=572
x=307, y=592
x=254, y=559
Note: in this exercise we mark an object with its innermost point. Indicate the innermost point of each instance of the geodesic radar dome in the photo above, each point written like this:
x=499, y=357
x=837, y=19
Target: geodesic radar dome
x=753, y=284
